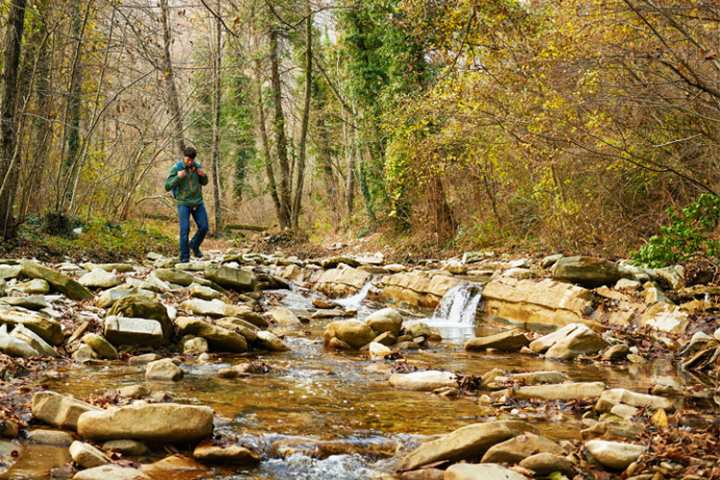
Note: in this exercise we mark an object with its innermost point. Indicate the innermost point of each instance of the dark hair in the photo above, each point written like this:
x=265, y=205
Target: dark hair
x=190, y=152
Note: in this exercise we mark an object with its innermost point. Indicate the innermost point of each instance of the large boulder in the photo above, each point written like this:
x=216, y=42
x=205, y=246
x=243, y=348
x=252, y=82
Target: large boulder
x=133, y=331
x=141, y=306
x=417, y=288
x=586, y=271
x=428, y=380
x=385, y=320
x=60, y=411
x=467, y=443
x=50, y=330
x=510, y=341
x=99, y=278
x=219, y=338
x=483, y=471
x=233, y=278
x=61, y=283
x=157, y=422
x=614, y=455
x=532, y=303
x=341, y=281
x=355, y=333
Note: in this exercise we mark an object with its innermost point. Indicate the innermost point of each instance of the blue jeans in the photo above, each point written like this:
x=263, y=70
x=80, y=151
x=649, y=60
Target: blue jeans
x=201, y=220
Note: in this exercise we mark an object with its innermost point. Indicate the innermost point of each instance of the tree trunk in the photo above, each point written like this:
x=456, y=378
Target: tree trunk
x=42, y=125
x=279, y=129
x=8, y=120
x=173, y=101
x=217, y=98
x=350, y=185
x=270, y=172
x=297, y=202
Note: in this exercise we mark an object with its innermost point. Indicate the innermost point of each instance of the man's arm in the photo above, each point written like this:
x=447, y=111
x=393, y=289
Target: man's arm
x=172, y=179
x=202, y=176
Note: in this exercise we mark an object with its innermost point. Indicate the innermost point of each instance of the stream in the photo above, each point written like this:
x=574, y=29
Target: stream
x=312, y=395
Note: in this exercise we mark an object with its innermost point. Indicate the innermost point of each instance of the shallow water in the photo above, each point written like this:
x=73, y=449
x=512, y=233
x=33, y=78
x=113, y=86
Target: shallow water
x=328, y=396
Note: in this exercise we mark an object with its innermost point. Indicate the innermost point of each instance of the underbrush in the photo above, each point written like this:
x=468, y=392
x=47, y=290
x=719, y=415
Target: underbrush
x=98, y=239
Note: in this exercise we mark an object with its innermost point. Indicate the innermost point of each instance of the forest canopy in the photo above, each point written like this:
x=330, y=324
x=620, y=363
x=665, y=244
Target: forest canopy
x=573, y=125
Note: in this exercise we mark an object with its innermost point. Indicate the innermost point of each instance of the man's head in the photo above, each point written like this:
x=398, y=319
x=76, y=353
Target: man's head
x=190, y=153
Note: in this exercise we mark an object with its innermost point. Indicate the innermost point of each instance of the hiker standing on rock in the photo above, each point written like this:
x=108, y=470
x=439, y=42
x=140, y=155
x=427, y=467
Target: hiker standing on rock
x=186, y=180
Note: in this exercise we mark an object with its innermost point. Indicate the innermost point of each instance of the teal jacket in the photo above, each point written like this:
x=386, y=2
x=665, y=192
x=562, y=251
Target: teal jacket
x=188, y=190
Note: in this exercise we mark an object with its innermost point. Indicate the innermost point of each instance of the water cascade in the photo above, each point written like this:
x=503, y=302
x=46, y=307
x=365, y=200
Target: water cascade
x=354, y=301
x=454, y=317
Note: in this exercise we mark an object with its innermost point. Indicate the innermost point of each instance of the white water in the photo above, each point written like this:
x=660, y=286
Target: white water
x=454, y=317
x=354, y=301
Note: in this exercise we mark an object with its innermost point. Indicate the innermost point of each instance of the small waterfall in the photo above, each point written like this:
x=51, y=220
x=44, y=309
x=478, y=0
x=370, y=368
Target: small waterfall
x=454, y=317
x=459, y=305
x=354, y=301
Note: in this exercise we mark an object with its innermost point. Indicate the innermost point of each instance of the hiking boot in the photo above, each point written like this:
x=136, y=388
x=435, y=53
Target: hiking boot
x=196, y=252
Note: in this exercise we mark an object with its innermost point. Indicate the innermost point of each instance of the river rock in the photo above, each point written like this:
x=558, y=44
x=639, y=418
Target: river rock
x=126, y=447
x=9, y=271
x=195, y=346
x=58, y=281
x=467, y=443
x=163, y=369
x=84, y=353
x=60, y=411
x=108, y=297
x=156, y=422
x=34, y=340
x=233, y=278
x=614, y=455
x=485, y=471
x=177, y=467
x=283, y=316
x=218, y=337
x=31, y=302
x=99, y=278
x=529, y=378
x=214, y=308
x=56, y=438
x=518, y=448
x=86, y=456
x=385, y=320
x=544, y=303
x=238, y=325
x=111, y=472
x=208, y=452
x=616, y=353
x=561, y=391
x=133, y=331
x=100, y=346
x=427, y=381
x=581, y=341
x=617, y=396
x=355, y=333
x=154, y=284
x=176, y=277
x=110, y=267
x=421, y=329
x=140, y=306
x=510, y=341
x=50, y=330
x=418, y=288
x=269, y=341
x=204, y=293
x=342, y=281
x=586, y=271
x=15, y=347
x=378, y=351
x=36, y=286
x=547, y=463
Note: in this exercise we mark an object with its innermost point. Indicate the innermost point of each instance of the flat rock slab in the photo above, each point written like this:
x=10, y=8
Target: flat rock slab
x=99, y=278
x=61, y=283
x=110, y=472
x=511, y=341
x=50, y=330
x=561, y=391
x=61, y=411
x=157, y=422
x=466, y=443
x=207, y=452
x=133, y=331
x=485, y=471
x=617, y=396
x=426, y=381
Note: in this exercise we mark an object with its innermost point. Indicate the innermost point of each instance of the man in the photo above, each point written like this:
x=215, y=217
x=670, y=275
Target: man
x=186, y=180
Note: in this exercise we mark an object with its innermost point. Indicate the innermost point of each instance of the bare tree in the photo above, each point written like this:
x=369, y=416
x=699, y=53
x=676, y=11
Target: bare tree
x=217, y=110
x=173, y=100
